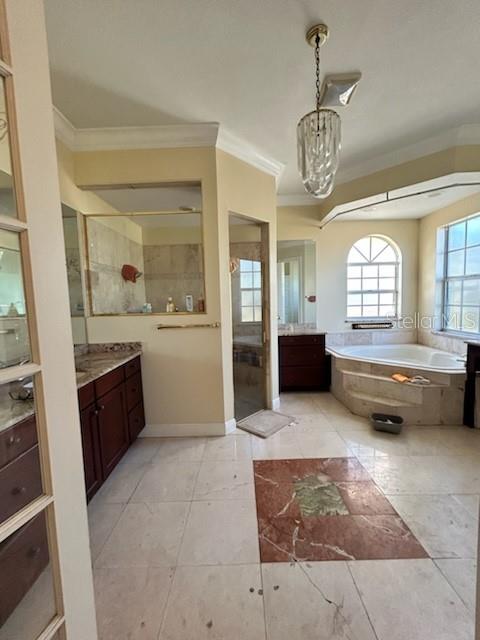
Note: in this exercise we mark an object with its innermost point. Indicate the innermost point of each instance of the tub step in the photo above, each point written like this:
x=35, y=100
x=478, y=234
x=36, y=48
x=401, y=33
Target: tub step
x=381, y=401
x=388, y=379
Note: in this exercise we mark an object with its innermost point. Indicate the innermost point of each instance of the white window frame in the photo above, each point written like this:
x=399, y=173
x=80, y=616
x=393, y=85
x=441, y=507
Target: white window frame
x=254, y=307
x=446, y=279
x=397, y=293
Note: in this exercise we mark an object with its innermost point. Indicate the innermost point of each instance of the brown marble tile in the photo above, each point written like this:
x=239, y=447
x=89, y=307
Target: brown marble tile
x=326, y=509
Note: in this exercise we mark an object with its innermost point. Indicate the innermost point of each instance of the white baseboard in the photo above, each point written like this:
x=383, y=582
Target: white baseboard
x=276, y=403
x=230, y=425
x=188, y=430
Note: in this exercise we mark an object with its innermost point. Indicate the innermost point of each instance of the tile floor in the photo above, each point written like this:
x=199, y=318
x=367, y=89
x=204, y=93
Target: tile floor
x=174, y=538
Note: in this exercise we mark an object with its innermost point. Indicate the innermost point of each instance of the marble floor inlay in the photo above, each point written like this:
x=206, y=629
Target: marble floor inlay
x=326, y=509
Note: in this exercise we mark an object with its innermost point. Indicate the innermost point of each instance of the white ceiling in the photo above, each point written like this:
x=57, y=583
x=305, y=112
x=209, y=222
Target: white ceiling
x=165, y=198
x=246, y=65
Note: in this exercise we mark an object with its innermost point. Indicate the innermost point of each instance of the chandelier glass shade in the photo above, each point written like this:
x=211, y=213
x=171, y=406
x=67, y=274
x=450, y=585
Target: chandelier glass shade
x=318, y=134
x=318, y=146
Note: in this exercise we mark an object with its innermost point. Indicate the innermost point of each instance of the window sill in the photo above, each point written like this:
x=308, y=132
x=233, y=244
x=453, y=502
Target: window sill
x=459, y=335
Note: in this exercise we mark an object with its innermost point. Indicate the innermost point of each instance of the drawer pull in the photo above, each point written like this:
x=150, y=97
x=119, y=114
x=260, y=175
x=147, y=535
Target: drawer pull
x=13, y=440
x=16, y=491
x=101, y=407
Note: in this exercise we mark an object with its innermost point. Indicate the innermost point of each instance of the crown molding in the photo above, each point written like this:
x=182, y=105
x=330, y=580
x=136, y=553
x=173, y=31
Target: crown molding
x=230, y=143
x=208, y=134
x=468, y=134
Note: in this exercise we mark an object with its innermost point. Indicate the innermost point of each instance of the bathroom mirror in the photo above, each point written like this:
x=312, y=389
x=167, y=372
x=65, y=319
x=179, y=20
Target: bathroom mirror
x=14, y=340
x=148, y=257
x=296, y=277
x=72, y=231
x=8, y=205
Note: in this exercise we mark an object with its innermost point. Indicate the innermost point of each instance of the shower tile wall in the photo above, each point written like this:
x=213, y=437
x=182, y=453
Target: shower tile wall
x=173, y=271
x=109, y=250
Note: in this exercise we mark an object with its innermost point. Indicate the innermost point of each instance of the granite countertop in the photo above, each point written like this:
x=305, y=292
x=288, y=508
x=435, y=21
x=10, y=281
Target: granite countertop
x=89, y=366
x=94, y=365
x=300, y=332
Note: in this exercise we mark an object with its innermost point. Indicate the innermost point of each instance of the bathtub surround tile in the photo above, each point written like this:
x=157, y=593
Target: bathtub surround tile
x=215, y=602
x=313, y=600
x=130, y=602
x=146, y=535
x=411, y=600
x=220, y=532
x=462, y=576
x=326, y=510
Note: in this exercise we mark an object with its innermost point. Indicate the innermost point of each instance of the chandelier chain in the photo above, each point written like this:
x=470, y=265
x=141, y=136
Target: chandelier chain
x=317, y=64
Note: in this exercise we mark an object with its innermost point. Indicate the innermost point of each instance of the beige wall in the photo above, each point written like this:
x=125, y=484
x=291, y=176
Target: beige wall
x=246, y=191
x=178, y=364
x=333, y=243
x=427, y=247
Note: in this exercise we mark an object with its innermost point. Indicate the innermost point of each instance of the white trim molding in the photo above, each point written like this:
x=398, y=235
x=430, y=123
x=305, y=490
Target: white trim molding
x=206, y=134
x=468, y=134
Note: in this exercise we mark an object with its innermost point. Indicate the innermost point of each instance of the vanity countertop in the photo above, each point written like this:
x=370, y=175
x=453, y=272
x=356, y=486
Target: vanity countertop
x=93, y=365
x=300, y=332
x=89, y=366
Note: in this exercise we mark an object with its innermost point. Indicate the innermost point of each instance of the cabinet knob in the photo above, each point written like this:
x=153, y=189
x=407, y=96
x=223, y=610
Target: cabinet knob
x=101, y=407
x=18, y=491
x=33, y=552
x=13, y=440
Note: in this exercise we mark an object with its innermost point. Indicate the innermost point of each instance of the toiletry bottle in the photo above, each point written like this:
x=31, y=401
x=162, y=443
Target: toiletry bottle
x=201, y=305
x=170, y=305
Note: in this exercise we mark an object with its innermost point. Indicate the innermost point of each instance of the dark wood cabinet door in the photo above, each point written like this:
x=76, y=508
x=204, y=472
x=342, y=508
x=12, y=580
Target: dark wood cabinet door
x=112, y=427
x=91, y=450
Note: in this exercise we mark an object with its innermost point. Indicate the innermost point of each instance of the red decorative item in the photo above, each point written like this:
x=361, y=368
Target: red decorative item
x=130, y=273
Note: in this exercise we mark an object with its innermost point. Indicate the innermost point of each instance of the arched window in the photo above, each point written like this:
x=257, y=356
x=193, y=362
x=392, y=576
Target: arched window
x=373, y=278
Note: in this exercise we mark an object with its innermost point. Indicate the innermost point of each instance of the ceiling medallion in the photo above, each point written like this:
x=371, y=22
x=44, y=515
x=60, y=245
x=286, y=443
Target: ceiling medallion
x=319, y=132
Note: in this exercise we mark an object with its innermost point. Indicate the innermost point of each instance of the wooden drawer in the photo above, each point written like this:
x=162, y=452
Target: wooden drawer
x=302, y=355
x=136, y=421
x=303, y=377
x=132, y=367
x=86, y=395
x=133, y=388
x=23, y=557
x=17, y=439
x=318, y=339
x=109, y=381
x=20, y=483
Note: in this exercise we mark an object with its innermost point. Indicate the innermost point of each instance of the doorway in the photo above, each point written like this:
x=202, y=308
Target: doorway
x=249, y=296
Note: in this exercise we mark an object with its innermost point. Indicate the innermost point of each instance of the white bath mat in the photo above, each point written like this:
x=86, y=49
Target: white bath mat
x=265, y=423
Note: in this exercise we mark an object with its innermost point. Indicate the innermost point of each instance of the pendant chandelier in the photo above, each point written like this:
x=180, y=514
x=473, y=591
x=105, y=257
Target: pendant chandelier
x=318, y=134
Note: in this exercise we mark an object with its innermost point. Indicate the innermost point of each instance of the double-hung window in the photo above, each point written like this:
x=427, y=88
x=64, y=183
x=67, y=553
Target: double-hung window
x=461, y=276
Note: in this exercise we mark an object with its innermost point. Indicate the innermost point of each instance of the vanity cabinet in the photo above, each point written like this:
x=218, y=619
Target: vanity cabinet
x=20, y=471
x=111, y=417
x=112, y=428
x=304, y=363
x=92, y=463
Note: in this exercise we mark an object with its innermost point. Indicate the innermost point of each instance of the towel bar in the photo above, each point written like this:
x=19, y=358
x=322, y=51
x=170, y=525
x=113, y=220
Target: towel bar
x=212, y=325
